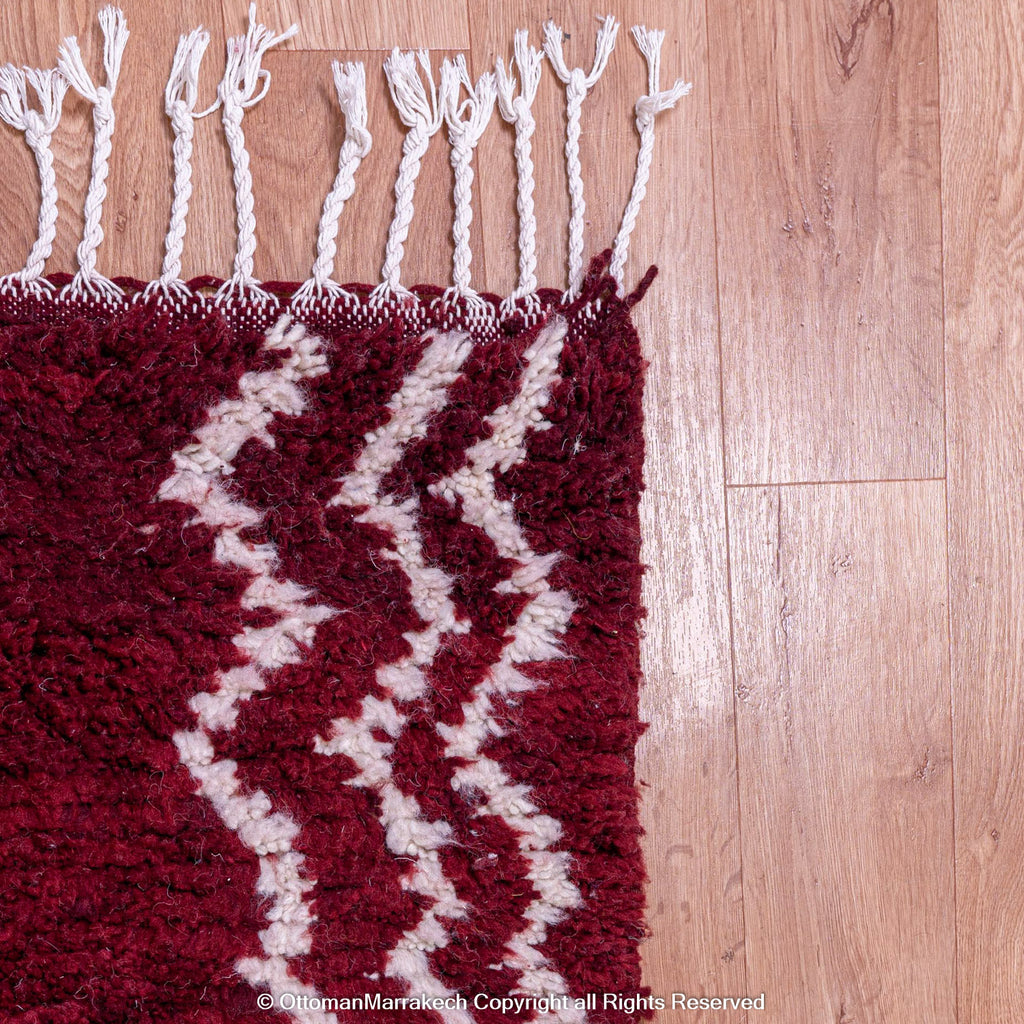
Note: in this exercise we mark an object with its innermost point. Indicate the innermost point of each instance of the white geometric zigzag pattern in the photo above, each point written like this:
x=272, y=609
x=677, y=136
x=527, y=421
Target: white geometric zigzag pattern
x=198, y=480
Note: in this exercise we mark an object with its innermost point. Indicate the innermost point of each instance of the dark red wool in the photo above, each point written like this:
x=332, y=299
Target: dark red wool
x=125, y=898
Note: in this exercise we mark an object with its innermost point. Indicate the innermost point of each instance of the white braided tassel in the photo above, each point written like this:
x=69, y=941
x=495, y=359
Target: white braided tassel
x=238, y=91
x=577, y=85
x=647, y=108
x=70, y=64
x=350, y=84
x=516, y=110
x=180, y=98
x=466, y=122
x=422, y=115
x=38, y=126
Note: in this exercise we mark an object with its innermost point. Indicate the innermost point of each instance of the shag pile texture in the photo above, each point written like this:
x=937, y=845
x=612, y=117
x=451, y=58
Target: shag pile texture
x=318, y=642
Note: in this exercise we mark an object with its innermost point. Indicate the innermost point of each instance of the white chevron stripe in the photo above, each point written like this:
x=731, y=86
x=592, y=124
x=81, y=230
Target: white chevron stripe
x=199, y=469
x=423, y=392
x=197, y=480
x=534, y=637
x=407, y=832
x=510, y=424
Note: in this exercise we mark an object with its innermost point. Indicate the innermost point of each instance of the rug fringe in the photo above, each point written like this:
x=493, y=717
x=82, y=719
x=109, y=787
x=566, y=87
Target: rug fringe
x=647, y=108
x=238, y=91
x=180, y=97
x=88, y=281
x=350, y=85
x=422, y=115
x=466, y=123
x=577, y=85
x=38, y=126
x=424, y=103
x=517, y=111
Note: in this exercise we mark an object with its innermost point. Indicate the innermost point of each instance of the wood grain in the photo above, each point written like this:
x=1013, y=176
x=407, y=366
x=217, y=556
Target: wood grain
x=358, y=25
x=839, y=620
x=983, y=197
x=826, y=182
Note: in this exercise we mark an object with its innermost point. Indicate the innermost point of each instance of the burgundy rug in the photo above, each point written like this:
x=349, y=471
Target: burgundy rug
x=318, y=605
x=319, y=660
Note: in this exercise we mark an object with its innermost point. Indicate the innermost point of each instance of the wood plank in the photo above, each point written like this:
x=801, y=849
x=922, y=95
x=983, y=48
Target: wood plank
x=983, y=200
x=686, y=760
x=826, y=180
x=840, y=641
x=358, y=25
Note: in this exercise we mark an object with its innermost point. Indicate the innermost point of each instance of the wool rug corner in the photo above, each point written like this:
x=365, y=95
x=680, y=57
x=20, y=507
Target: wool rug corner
x=319, y=604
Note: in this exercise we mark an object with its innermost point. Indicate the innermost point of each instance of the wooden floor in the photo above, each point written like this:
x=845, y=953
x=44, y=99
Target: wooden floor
x=833, y=783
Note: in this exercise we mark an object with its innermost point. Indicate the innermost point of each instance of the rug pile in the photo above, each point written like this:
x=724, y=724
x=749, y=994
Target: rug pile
x=318, y=615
